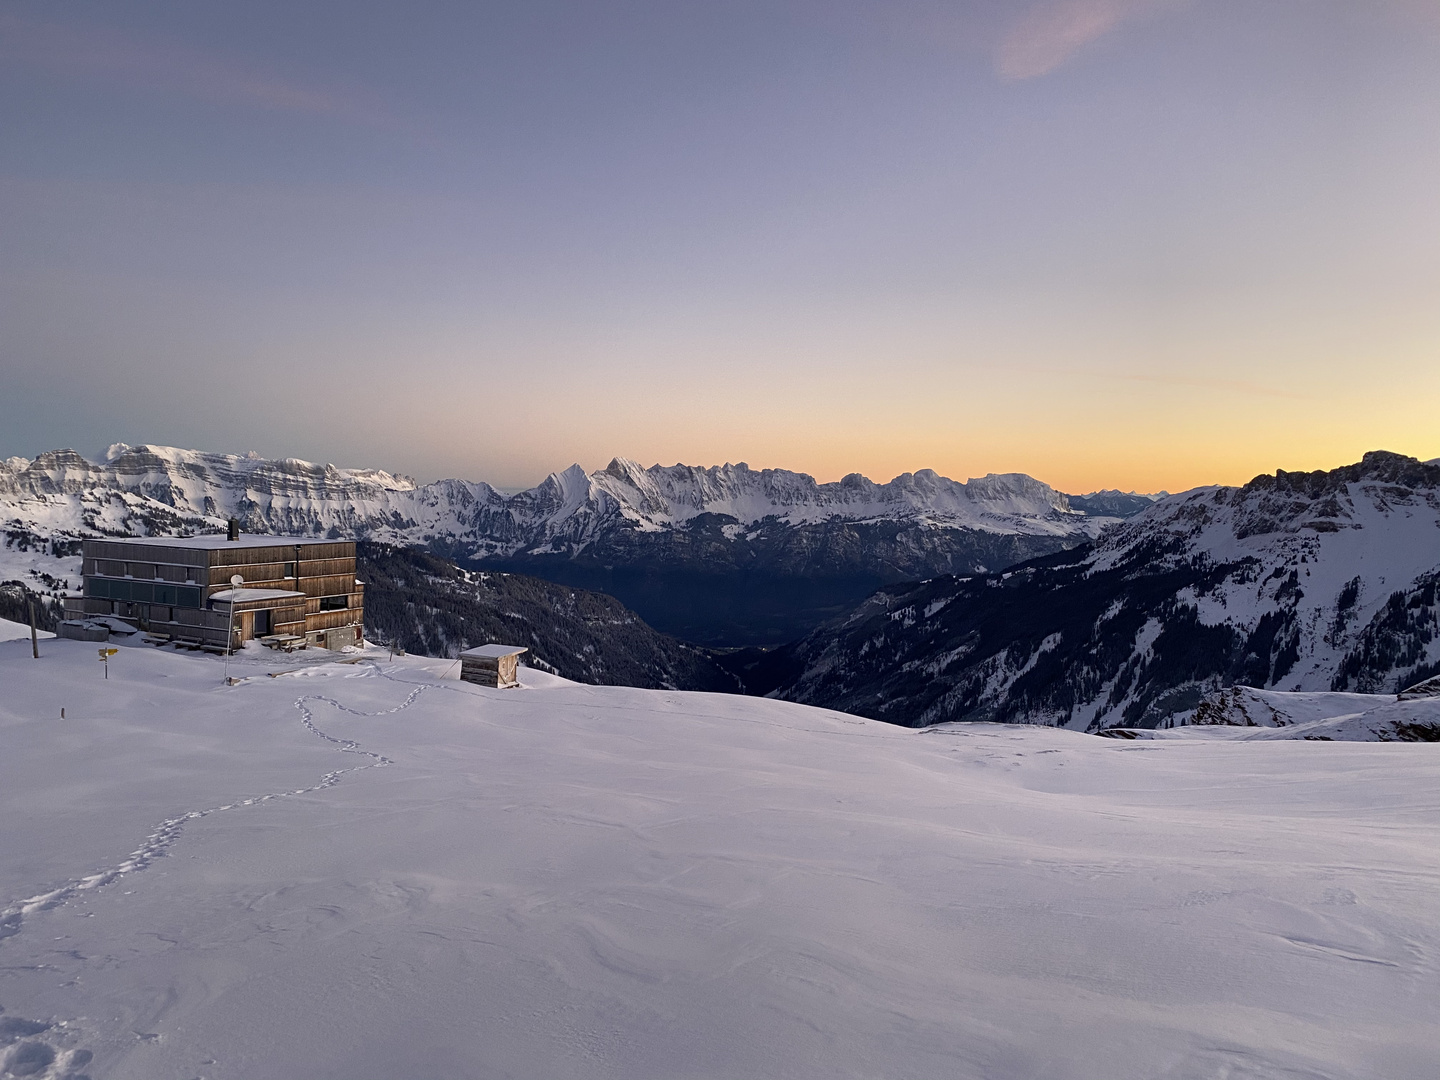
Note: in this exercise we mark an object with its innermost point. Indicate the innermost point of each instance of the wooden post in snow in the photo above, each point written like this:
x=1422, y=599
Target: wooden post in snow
x=34, y=638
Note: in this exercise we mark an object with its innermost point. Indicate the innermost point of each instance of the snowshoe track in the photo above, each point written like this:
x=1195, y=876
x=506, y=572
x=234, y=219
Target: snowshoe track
x=158, y=843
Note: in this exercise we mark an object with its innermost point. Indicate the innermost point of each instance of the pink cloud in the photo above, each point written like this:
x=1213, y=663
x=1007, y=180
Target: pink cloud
x=1049, y=34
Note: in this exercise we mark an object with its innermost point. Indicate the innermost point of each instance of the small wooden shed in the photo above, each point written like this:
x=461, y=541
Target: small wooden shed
x=491, y=665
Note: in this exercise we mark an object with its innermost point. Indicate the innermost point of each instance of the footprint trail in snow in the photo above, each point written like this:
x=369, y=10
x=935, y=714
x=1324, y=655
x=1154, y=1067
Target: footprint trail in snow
x=158, y=843
x=46, y=1045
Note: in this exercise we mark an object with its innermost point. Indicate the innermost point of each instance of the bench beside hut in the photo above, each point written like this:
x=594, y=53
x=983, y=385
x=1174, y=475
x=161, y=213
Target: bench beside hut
x=491, y=665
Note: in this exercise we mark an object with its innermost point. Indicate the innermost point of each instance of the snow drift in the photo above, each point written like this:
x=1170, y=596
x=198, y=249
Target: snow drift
x=370, y=869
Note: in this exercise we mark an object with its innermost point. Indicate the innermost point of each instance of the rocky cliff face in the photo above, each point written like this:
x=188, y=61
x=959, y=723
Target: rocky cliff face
x=162, y=488
x=726, y=554
x=1320, y=581
x=155, y=490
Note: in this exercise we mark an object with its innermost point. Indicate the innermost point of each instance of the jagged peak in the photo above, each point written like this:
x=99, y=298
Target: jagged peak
x=566, y=481
x=1377, y=465
x=627, y=470
x=66, y=458
x=292, y=493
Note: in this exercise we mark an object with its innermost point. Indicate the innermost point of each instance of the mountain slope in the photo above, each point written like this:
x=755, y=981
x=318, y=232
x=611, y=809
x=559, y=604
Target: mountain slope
x=429, y=606
x=152, y=489
x=1297, y=581
x=1319, y=717
x=724, y=555
x=373, y=870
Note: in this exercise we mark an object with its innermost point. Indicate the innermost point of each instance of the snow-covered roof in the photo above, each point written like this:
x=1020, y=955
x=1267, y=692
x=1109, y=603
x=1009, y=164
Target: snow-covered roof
x=106, y=622
x=240, y=596
x=492, y=652
x=212, y=541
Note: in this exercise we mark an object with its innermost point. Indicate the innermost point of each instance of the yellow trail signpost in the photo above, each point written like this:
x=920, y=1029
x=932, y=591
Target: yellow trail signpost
x=105, y=655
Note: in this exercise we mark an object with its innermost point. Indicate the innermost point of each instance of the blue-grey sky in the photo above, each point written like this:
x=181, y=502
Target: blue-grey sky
x=1135, y=243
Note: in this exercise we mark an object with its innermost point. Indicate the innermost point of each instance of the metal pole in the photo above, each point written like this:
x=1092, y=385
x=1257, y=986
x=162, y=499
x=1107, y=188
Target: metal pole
x=235, y=582
x=34, y=638
x=229, y=633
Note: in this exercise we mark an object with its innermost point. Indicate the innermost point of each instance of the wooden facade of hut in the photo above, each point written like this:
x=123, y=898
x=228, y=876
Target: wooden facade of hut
x=298, y=589
x=492, y=665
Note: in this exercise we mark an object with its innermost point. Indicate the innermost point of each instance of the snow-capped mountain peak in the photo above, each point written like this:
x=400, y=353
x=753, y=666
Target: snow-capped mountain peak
x=143, y=489
x=1320, y=581
x=721, y=519
x=671, y=495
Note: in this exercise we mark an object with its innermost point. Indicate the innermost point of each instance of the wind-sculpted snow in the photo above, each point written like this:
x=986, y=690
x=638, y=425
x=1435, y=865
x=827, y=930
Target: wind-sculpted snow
x=564, y=881
x=1297, y=582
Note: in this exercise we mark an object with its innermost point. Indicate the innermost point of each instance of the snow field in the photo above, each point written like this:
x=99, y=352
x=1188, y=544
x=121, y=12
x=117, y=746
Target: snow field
x=14, y=631
x=574, y=881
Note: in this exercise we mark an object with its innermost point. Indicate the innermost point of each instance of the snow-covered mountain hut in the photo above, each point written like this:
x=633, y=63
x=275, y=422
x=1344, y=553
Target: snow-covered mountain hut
x=293, y=590
x=492, y=665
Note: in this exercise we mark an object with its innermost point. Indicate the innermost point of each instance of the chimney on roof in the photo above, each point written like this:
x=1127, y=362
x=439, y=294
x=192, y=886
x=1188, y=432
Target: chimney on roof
x=233, y=535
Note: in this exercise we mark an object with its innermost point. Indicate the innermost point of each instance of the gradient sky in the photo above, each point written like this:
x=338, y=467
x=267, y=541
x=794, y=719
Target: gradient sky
x=1111, y=243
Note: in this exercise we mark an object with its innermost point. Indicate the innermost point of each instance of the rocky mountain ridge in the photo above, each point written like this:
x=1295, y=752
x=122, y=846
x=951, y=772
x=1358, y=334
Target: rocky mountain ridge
x=1266, y=715
x=714, y=554
x=158, y=488
x=1322, y=581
